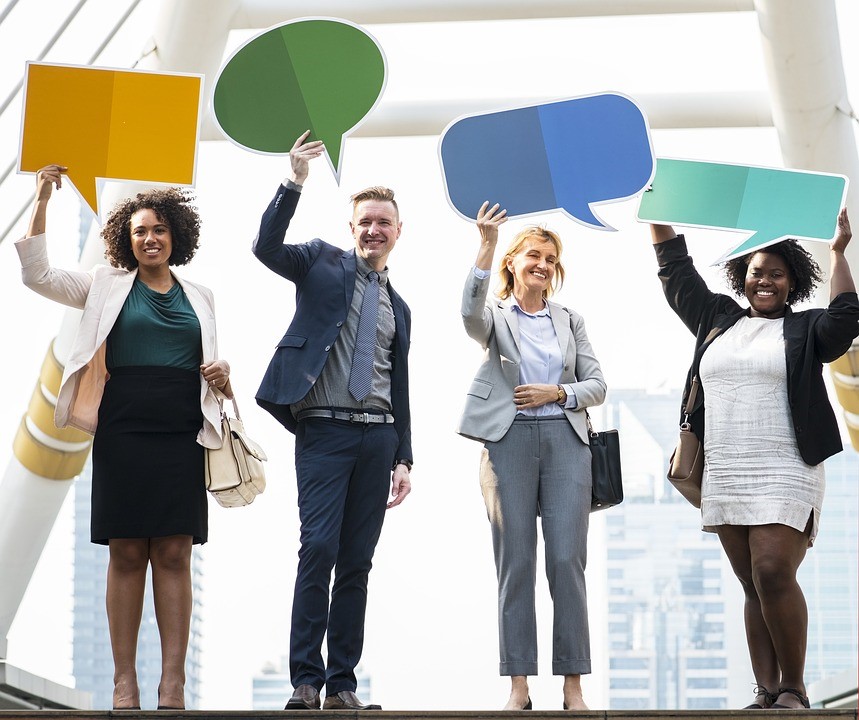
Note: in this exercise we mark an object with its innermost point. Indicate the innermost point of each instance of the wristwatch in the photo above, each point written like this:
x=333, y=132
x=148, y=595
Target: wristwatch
x=402, y=461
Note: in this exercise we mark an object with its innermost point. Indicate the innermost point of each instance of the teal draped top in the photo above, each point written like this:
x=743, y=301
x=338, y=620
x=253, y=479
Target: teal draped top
x=157, y=329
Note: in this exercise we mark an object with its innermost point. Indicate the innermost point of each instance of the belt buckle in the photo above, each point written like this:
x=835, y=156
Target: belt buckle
x=359, y=417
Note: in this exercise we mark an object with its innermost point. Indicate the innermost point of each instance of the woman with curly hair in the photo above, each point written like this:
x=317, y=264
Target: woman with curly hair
x=142, y=376
x=769, y=427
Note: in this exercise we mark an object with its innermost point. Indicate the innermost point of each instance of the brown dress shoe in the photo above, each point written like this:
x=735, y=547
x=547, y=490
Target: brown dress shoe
x=346, y=700
x=305, y=697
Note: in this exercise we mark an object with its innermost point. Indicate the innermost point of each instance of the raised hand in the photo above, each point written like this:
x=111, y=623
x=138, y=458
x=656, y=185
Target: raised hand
x=840, y=277
x=844, y=233
x=46, y=178
x=300, y=156
x=488, y=220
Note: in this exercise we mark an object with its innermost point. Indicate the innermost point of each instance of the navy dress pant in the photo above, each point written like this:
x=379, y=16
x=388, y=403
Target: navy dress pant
x=344, y=474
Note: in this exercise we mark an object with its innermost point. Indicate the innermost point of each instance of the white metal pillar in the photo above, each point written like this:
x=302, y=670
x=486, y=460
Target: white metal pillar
x=190, y=36
x=812, y=114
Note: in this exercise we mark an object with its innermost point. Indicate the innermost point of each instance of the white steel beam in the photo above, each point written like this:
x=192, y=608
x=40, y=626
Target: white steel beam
x=681, y=110
x=264, y=13
x=808, y=92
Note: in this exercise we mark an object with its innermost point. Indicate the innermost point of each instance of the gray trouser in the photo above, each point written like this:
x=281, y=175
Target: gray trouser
x=540, y=467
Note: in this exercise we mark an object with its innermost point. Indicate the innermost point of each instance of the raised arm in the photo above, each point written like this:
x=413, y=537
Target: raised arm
x=661, y=233
x=840, y=277
x=63, y=286
x=300, y=156
x=288, y=260
x=685, y=290
x=476, y=317
x=488, y=221
x=46, y=178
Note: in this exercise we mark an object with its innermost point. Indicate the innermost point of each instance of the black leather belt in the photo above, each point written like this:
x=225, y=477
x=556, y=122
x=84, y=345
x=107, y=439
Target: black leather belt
x=364, y=418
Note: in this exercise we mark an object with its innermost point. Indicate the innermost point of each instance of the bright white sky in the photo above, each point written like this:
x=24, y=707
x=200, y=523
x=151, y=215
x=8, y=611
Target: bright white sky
x=431, y=619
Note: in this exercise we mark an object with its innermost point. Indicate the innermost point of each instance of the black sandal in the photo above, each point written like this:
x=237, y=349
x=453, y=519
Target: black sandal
x=796, y=693
x=769, y=699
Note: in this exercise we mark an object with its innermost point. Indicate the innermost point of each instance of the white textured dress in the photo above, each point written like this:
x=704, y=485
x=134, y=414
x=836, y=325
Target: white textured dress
x=754, y=474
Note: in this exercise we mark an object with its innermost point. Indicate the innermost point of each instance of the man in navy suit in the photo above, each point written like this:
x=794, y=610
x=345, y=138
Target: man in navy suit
x=350, y=418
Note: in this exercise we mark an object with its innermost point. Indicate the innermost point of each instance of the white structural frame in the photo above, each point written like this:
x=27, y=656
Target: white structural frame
x=807, y=104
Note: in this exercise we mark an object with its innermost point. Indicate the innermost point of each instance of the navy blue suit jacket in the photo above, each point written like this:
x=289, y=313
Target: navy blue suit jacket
x=324, y=277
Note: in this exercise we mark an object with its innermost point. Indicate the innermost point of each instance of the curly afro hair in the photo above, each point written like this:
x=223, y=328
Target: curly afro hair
x=804, y=270
x=172, y=206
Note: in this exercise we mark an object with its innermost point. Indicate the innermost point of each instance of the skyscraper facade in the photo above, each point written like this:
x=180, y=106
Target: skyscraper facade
x=675, y=625
x=272, y=686
x=92, y=661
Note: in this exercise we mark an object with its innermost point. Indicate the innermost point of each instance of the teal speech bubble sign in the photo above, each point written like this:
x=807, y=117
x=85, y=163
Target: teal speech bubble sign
x=319, y=74
x=772, y=203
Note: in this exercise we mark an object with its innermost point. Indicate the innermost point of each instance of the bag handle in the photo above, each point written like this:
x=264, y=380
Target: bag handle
x=690, y=403
x=221, y=397
x=591, y=431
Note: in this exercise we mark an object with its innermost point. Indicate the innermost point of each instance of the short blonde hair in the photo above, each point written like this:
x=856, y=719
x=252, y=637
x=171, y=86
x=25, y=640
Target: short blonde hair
x=376, y=192
x=542, y=234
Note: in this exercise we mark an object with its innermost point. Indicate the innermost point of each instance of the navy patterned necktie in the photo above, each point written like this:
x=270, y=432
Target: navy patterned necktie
x=361, y=376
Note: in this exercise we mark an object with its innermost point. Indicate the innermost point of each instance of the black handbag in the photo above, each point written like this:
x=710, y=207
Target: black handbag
x=607, y=489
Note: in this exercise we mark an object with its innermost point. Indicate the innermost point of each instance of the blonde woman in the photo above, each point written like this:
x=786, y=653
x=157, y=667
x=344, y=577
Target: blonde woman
x=527, y=405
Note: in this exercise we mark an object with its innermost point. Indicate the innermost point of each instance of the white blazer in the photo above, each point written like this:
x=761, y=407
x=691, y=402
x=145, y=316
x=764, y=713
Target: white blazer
x=101, y=293
x=489, y=408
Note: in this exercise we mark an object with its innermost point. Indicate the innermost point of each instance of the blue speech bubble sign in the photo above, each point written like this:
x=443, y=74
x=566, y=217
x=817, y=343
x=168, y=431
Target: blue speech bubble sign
x=566, y=155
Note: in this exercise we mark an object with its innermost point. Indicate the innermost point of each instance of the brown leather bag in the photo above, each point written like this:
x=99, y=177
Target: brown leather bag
x=686, y=467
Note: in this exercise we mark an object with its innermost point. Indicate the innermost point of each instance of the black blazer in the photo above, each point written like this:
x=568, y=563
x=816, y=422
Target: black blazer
x=324, y=277
x=812, y=337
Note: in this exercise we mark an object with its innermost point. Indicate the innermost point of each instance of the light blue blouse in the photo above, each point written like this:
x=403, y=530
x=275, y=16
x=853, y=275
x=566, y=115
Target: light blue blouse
x=541, y=360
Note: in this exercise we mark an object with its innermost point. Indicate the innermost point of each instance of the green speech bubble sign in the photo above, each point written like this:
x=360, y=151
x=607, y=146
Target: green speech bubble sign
x=772, y=203
x=319, y=74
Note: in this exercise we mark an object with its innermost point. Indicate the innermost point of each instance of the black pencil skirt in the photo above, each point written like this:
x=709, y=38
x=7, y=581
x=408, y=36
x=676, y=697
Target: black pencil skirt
x=147, y=467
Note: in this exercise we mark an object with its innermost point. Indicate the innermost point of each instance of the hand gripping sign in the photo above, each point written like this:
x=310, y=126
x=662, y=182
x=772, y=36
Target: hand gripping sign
x=319, y=74
x=771, y=203
x=110, y=124
x=567, y=155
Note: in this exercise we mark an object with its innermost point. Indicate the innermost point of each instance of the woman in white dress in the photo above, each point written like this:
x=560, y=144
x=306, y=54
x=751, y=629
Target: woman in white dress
x=769, y=427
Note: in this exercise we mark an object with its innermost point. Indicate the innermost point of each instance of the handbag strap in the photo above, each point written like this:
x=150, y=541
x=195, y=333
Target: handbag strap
x=221, y=397
x=591, y=431
x=690, y=400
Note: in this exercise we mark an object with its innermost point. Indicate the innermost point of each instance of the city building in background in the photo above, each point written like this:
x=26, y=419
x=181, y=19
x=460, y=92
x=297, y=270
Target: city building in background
x=272, y=686
x=675, y=610
x=828, y=575
x=91, y=654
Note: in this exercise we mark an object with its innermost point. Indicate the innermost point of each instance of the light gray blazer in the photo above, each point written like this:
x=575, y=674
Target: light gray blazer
x=489, y=409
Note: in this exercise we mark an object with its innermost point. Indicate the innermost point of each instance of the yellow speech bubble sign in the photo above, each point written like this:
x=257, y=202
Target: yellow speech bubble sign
x=110, y=124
